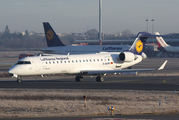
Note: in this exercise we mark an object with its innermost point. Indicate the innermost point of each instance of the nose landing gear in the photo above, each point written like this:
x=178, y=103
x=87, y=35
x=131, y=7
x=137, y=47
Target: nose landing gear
x=19, y=79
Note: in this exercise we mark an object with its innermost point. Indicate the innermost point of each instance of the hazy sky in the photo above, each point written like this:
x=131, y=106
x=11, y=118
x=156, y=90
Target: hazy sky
x=82, y=15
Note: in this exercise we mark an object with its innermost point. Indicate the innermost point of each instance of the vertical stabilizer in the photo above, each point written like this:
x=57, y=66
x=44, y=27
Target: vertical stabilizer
x=160, y=41
x=51, y=37
x=139, y=43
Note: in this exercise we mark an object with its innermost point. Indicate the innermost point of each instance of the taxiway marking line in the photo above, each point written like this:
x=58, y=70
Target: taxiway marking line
x=164, y=81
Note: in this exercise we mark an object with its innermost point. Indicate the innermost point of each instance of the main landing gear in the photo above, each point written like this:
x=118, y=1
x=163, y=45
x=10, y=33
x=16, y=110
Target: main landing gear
x=79, y=78
x=99, y=78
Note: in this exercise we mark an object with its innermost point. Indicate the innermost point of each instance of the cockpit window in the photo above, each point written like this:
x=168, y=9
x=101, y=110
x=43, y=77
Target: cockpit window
x=23, y=62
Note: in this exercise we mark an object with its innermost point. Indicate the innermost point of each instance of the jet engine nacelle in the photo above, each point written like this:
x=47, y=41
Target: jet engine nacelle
x=126, y=56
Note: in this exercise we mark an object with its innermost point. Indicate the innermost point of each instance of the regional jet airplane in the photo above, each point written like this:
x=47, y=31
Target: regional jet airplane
x=84, y=64
x=163, y=46
x=55, y=45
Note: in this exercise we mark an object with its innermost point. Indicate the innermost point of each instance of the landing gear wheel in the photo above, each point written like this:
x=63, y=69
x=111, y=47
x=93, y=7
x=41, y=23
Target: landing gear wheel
x=79, y=78
x=19, y=79
x=99, y=79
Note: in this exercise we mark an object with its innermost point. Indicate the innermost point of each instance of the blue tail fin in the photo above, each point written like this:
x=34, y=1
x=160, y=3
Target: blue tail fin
x=139, y=43
x=51, y=37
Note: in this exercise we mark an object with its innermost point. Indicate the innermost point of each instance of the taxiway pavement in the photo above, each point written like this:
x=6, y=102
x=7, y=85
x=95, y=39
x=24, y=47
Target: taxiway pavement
x=161, y=83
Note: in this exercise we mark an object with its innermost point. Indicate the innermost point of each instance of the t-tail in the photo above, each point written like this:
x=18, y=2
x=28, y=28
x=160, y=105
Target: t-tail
x=51, y=37
x=136, y=49
x=160, y=41
x=139, y=43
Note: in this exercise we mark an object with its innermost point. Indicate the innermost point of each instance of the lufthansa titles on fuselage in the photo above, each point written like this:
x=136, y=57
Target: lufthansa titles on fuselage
x=112, y=48
x=56, y=58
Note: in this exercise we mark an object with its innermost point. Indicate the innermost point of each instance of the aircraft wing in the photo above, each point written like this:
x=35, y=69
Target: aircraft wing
x=121, y=71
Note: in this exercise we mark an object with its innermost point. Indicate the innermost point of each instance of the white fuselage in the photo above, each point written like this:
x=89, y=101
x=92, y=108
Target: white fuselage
x=90, y=49
x=85, y=49
x=171, y=49
x=71, y=64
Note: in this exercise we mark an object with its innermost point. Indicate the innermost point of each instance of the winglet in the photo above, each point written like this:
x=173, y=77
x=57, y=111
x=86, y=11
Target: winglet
x=163, y=65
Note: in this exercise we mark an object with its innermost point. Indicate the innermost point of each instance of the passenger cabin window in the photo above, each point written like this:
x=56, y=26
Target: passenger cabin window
x=23, y=62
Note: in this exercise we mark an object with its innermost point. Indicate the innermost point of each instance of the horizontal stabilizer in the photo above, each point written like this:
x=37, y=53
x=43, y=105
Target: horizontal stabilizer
x=150, y=35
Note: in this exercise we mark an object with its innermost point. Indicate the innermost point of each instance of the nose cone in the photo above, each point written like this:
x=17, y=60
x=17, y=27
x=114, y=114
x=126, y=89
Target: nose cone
x=11, y=70
x=15, y=70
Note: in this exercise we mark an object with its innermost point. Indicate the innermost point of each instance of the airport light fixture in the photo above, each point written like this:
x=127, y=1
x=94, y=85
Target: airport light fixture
x=111, y=108
x=153, y=27
x=147, y=24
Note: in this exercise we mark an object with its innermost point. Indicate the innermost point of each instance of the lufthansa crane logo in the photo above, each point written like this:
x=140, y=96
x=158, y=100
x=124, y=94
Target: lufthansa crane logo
x=49, y=34
x=139, y=46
